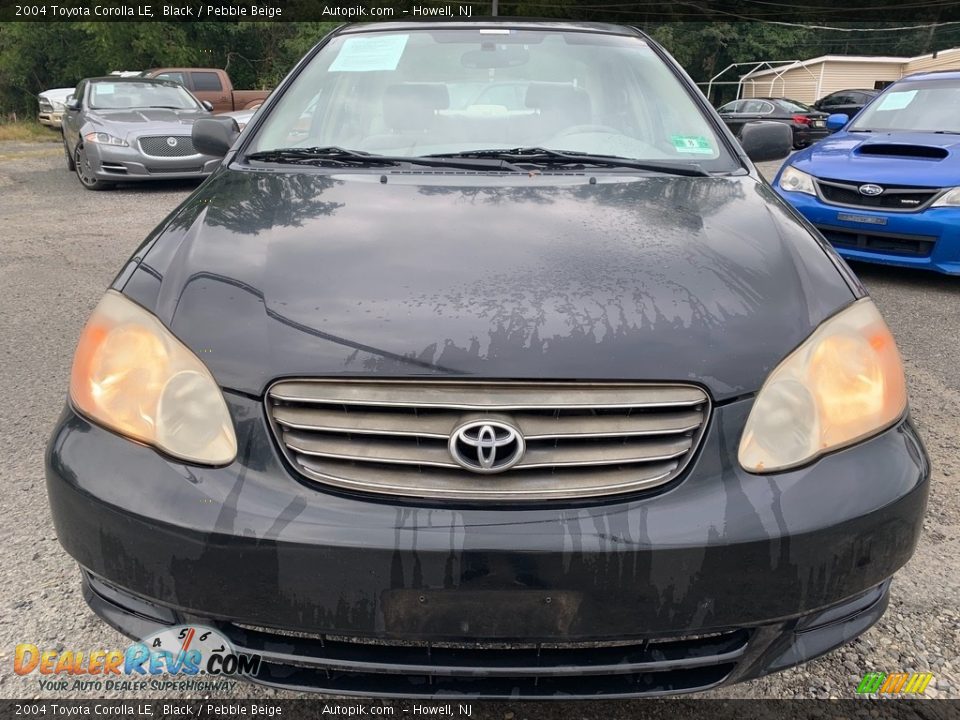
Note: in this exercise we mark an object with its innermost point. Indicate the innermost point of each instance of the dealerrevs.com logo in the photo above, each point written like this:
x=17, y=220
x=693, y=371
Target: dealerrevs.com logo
x=173, y=658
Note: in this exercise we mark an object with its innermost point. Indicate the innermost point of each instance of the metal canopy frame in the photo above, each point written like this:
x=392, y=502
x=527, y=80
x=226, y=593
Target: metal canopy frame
x=778, y=66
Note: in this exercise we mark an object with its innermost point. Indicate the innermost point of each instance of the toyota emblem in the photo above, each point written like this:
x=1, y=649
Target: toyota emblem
x=486, y=446
x=172, y=141
x=870, y=190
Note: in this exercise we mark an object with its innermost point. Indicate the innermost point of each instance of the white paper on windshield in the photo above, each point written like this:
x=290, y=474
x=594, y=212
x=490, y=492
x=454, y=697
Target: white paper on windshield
x=103, y=89
x=896, y=100
x=367, y=54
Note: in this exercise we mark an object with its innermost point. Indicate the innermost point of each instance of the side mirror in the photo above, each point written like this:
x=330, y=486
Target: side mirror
x=214, y=136
x=72, y=103
x=207, y=105
x=837, y=121
x=766, y=140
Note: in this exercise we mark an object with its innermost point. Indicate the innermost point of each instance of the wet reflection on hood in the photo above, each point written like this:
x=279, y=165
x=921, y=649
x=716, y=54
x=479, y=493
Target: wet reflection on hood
x=505, y=276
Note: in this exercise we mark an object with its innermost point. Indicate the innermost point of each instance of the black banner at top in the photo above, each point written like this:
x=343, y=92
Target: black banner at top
x=850, y=15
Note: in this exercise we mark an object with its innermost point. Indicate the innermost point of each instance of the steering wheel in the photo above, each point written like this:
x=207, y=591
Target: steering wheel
x=588, y=128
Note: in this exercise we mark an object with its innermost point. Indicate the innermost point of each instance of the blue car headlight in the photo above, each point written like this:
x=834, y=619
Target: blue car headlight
x=102, y=138
x=794, y=180
x=951, y=198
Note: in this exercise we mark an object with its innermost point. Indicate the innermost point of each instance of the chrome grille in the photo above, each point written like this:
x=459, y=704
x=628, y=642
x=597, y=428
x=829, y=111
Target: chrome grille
x=581, y=440
x=159, y=145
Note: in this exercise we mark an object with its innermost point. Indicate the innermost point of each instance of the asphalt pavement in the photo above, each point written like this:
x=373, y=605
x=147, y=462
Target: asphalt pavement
x=60, y=246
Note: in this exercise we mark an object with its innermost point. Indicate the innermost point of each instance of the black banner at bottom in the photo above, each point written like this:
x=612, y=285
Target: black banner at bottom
x=471, y=710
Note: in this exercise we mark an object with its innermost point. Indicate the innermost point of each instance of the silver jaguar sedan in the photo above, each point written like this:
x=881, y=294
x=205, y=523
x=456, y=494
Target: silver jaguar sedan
x=118, y=129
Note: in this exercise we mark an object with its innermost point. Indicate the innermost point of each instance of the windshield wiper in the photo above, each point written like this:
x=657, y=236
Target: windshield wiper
x=545, y=156
x=343, y=157
x=299, y=155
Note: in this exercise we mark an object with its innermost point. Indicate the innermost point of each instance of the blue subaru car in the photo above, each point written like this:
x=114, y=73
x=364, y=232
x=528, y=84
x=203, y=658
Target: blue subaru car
x=885, y=188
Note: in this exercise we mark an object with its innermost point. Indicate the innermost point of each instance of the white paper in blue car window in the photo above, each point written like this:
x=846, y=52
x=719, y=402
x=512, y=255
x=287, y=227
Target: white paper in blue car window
x=372, y=53
x=896, y=100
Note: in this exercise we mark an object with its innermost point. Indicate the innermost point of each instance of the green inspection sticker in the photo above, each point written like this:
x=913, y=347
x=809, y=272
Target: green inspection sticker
x=692, y=144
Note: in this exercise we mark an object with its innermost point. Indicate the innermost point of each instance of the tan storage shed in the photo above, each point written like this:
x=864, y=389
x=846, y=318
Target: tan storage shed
x=810, y=80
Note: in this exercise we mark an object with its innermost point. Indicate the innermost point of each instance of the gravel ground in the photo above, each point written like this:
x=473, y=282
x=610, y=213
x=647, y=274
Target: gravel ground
x=60, y=246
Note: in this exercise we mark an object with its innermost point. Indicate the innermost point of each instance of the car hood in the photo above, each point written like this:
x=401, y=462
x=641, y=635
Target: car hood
x=59, y=95
x=277, y=274
x=884, y=158
x=155, y=121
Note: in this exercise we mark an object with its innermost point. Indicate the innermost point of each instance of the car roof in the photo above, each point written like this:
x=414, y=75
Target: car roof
x=933, y=75
x=518, y=23
x=119, y=79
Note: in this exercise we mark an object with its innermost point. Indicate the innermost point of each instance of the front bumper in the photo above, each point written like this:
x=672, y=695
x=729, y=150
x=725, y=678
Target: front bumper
x=50, y=119
x=116, y=163
x=720, y=577
x=929, y=239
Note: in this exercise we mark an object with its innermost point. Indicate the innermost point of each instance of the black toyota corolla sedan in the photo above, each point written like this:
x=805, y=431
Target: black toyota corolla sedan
x=487, y=364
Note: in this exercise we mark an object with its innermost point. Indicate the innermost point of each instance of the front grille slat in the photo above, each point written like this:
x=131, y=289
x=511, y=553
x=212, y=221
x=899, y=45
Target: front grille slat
x=493, y=660
x=628, y=668
x=436, y=455
x=440, y=426
x=542, y=484
x=484, y=396
x=159, y=146
x=581, y=439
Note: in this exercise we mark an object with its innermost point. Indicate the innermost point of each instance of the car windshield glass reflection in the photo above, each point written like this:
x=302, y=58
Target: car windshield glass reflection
x=442, y=92
x=914, y=107
x=130, y=95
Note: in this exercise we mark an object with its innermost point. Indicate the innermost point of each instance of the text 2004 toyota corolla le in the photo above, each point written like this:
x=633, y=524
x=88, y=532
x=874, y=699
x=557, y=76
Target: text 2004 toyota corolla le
x=487, y=364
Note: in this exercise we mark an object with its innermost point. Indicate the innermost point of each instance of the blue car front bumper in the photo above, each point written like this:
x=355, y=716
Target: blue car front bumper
x=929, y=239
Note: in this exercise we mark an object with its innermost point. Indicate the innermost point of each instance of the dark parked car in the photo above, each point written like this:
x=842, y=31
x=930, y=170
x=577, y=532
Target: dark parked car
x=546, y=395
x=848, y=102
x=123, y=129
x=808, y=125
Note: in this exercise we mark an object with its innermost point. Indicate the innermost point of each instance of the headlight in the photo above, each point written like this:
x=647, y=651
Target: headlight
x=102, y=138
x=951, y=198
x=133, y=376
x=843, y=384
x=796, y=181
x=58, y=106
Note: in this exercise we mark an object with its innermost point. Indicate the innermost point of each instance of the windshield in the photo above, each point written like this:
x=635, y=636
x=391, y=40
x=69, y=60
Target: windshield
x=423, y=92
x=126, y=95
x=914, y=107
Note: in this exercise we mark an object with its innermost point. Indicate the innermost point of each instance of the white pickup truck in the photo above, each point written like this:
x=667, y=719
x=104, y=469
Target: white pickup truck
x=52, y=106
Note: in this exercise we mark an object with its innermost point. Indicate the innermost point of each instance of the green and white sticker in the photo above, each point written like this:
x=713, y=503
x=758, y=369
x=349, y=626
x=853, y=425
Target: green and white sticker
x=696, y=144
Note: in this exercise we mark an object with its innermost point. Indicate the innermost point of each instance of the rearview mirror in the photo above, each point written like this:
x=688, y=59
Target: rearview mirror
x=766, y=140
x=207, y=105
x=837, y=121
x=495, y=57
x=214, y=136
x=72, y=103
